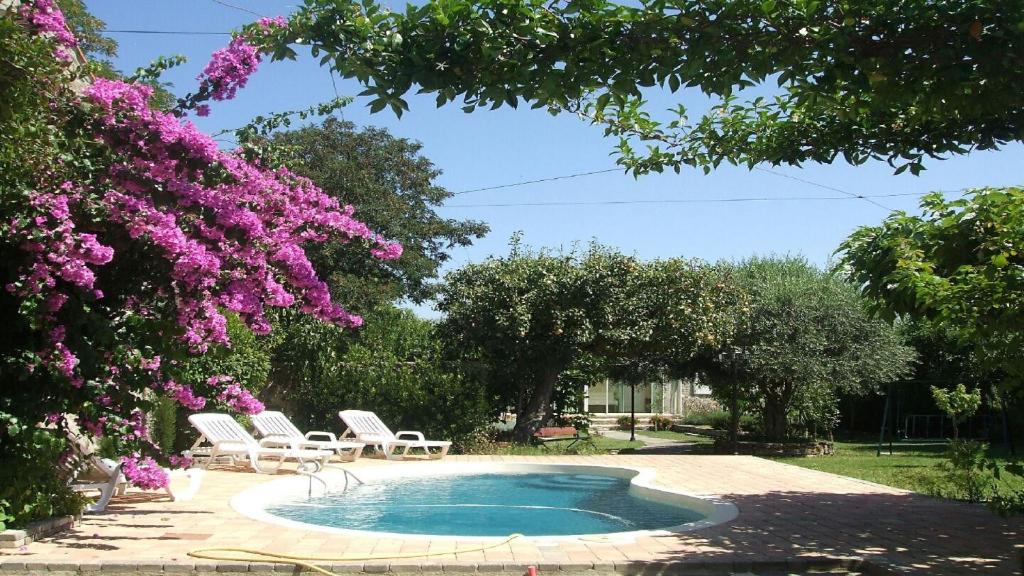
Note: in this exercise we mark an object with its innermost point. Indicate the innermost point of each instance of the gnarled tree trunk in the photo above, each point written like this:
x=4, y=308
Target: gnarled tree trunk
x=532, y=416
x=776, y=404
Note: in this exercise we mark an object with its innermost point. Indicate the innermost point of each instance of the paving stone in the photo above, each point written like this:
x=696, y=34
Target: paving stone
x=119, y=567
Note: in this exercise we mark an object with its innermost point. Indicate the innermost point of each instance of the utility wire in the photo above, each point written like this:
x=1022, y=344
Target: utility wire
x=685, y=200
x=825, y=186
x=525, y=182
x=171, y=32
x=240, y=8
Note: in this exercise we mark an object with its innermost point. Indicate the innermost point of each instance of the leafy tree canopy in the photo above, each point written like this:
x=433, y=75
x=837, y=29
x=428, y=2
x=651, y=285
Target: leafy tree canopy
x=808, y=336
x=790, y=81
x=530, y=316
x=392, y=187
x=958, y=264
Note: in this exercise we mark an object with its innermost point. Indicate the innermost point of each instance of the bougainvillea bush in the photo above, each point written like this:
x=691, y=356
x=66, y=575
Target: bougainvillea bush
x=127, y=239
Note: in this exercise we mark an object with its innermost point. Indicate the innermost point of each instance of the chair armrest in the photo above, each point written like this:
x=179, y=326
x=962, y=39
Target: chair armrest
x=417, y=435
x=317, y=433
x=276, y=442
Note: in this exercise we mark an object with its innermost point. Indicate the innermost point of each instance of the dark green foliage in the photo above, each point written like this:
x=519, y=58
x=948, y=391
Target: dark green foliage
x=720, y=419
x=533, y=317
x=865, y=79
x=956, y=266
x=31, y=487
x=392, y=187
x=393, y=366
x=808, y=337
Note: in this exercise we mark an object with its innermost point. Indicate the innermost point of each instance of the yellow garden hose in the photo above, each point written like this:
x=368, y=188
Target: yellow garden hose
x=251, y=555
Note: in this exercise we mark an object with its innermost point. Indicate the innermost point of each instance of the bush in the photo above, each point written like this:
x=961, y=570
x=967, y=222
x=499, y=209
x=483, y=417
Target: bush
x=577, y=421
x=966, y=472
x=661, y=422
x=715, y=419
x=625, y=422
x=393, y=366
x=720, y=420
x=30, y=488
x=700, y=405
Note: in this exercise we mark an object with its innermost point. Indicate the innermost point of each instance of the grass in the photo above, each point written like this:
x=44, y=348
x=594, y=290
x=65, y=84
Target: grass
x=912, y=465
x=678, y=436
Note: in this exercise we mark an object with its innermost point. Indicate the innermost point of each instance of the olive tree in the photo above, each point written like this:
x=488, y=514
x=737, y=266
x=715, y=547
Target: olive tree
x=807, y=337
x=531, y=315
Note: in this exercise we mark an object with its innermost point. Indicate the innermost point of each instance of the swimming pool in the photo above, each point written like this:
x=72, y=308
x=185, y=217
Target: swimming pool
x=483, y=500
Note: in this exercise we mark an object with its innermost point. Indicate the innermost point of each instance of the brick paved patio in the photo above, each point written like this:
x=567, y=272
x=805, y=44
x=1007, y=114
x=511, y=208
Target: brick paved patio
x=788, y=516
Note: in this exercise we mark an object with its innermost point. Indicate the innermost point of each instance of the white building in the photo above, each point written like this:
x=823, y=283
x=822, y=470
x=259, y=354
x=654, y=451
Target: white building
x=652, y=398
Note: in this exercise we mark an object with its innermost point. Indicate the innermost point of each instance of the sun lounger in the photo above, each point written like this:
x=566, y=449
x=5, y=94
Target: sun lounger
x=366, y=427
x=88, y=472
x=277, y=429
x=228, y=439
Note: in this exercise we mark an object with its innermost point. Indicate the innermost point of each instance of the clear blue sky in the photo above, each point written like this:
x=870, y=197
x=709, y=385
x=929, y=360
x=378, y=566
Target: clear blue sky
x=489, y=148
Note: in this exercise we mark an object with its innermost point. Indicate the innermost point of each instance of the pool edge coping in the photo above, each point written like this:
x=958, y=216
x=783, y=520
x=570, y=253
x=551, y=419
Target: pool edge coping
x=716, y=509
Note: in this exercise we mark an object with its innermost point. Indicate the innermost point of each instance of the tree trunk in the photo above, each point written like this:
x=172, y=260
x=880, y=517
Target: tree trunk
x=775, y=425
x=533, y=414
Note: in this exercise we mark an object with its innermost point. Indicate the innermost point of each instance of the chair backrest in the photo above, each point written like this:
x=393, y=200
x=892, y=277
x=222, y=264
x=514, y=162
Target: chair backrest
x=271, y=423
x=366, y=424
x=220, y=428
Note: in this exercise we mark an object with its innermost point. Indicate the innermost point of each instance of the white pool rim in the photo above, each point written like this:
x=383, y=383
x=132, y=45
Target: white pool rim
x=254, y=501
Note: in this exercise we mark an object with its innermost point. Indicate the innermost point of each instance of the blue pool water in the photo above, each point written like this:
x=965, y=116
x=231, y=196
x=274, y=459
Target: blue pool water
x=489, y=505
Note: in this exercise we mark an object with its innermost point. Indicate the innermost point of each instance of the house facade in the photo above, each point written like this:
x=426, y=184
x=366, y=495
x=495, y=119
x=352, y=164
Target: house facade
x=667, y=397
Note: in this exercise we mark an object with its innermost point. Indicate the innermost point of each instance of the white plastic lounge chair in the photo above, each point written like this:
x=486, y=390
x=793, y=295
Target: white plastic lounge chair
x=366, y=427
x=90, y=472
x=228, y=439
x=100, y=474
x=278, y=430
x=104, y=475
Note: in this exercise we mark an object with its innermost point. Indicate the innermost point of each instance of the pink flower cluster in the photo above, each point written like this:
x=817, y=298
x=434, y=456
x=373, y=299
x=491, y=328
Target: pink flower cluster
x=179, y=461
x=229, y=69
x=247, y=253
x=387, y=251
x=238, y=398
x=46, y=18
x=59, y=252
x=144, y=472
x=184, y=395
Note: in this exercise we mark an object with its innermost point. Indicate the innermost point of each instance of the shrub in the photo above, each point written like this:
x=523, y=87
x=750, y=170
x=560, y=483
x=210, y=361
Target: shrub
x=29, y=488
x=661, y=422
x=577, y=421
x=700, y=405
x=625, y=422
x=393, y=366
x=966, y=472
x=715, y=419
x=720, y=420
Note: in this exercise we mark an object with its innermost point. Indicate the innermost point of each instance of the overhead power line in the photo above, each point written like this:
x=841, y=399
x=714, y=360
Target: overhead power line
x=239, y=8
x=825, y=186
x=170, y=32
x=525, y=182
x=683, y=201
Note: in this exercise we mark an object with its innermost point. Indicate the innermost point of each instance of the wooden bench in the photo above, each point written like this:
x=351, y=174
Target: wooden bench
x=559, y=434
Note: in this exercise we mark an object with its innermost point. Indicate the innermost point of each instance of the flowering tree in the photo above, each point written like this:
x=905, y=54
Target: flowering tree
x=127, y=239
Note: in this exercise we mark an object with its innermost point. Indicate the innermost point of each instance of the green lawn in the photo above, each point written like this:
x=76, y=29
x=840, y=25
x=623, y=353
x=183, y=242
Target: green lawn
x=912, y=465
x=681, y=437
